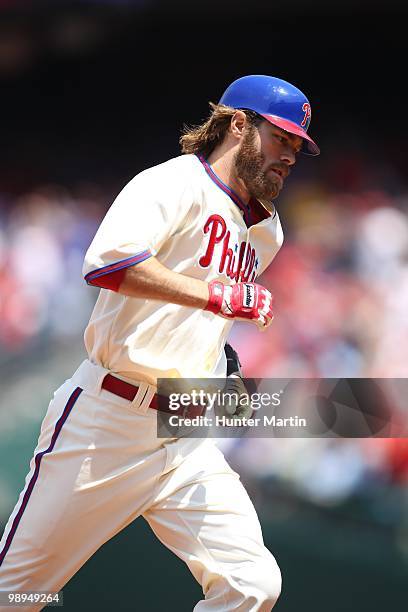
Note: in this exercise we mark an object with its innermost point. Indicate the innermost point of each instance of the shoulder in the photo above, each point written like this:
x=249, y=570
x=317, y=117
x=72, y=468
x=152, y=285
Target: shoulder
x=173, y=185
x=178, y=168
x=175, y=175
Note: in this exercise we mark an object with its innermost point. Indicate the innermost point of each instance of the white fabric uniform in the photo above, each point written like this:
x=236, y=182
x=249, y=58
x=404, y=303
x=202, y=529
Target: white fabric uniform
x=98, y=463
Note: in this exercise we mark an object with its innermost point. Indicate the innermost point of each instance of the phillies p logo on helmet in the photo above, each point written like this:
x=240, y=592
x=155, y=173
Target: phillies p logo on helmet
x=308, y=113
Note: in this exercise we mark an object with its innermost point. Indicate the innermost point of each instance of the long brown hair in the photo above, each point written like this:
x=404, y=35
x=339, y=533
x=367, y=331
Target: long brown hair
x=205, y=137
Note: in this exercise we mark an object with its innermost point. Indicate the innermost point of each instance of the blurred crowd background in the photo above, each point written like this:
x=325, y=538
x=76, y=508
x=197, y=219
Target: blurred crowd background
x=92, y=93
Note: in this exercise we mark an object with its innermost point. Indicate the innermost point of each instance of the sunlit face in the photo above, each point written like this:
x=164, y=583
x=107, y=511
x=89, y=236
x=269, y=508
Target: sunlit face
x=264, y=158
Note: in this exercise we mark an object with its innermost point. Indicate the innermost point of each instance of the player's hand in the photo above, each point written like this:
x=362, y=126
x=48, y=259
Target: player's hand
x=237, y=404
x=243, y=301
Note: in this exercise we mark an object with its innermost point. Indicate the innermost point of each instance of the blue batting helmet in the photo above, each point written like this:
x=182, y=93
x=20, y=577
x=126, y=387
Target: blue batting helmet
x=276, y=100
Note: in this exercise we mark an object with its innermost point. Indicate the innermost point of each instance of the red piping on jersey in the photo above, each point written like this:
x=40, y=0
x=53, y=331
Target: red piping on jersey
x=37, y=461
x=234, y=197
x=119, y=265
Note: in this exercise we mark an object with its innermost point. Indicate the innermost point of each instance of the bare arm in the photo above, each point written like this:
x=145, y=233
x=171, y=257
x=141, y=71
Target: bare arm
x=151, y=280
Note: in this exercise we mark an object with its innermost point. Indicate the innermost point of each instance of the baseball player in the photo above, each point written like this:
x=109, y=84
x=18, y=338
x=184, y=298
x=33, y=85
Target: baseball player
x=176, y=257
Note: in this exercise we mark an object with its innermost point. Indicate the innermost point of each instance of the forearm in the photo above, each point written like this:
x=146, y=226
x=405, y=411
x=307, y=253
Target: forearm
x=151, y=280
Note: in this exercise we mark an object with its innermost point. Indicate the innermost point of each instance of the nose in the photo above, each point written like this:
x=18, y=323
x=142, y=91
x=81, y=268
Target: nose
x=288, y=156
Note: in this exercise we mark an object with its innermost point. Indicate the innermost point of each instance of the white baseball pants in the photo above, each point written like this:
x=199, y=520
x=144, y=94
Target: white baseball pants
x=99, y=465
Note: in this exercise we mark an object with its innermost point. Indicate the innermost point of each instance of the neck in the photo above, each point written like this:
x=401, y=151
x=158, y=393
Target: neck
x=222, y=162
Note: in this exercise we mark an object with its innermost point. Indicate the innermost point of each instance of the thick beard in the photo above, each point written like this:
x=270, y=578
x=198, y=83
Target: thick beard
x=248, y=165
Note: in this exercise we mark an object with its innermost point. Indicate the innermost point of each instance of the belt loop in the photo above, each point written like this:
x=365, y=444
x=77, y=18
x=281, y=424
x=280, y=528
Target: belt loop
x=139, y=401
x=150, y=393
x=89, y=376
x=99, y=374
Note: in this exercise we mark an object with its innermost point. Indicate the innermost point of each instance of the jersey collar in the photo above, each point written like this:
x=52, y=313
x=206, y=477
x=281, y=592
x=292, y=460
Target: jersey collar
x=245, y=208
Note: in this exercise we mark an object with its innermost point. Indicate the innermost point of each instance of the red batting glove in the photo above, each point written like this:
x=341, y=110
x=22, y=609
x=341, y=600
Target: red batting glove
x=243, y=301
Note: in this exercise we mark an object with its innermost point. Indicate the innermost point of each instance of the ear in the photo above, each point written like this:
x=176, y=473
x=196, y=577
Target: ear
x=238, y=122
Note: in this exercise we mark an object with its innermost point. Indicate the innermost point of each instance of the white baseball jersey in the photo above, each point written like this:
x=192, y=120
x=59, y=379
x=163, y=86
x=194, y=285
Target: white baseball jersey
x=184, y=215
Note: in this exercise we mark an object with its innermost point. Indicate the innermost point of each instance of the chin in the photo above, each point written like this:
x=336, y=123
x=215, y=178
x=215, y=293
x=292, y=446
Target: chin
x=272, y=193
x=268, y=191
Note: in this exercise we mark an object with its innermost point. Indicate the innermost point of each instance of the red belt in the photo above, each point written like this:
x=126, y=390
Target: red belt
x=128, y=391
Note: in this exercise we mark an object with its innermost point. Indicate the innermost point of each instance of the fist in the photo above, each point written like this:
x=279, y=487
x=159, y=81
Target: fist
x=238, y=405
x=243, y=301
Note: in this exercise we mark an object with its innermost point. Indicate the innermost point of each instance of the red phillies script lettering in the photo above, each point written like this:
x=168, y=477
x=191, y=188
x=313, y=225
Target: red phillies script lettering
x=231, y=260
x=217, y=228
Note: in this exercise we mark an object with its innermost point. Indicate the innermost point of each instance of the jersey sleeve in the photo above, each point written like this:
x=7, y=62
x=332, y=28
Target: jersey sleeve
x=145, y=214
